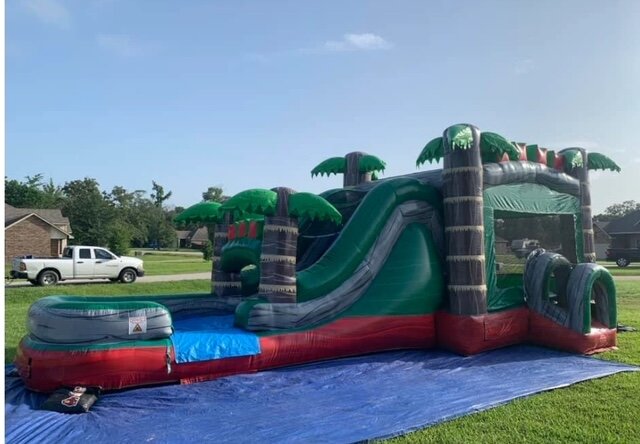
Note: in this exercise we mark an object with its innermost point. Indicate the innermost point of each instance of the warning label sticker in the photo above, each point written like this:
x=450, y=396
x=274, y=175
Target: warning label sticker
x=137, y=325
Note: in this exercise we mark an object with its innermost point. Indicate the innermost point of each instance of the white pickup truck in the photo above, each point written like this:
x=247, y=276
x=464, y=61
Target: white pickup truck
x=77, y=262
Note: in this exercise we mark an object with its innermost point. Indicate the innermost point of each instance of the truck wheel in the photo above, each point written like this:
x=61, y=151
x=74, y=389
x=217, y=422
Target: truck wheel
x=622, y=262
x=48, y=277
x=128, y=276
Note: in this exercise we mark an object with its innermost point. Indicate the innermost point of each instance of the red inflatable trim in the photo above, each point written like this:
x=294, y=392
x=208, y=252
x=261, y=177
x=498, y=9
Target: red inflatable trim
x=119, y=368
x=544, y=331
x=469, y=335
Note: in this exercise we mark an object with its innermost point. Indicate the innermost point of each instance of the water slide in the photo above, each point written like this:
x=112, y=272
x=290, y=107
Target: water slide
x=376, y=287
x=391, y=232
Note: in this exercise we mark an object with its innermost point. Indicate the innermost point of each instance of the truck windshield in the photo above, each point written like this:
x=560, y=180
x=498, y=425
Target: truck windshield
x=67, y=253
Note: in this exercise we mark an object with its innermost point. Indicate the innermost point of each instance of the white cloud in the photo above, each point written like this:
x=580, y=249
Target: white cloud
x=49, y=11
x=357, y=42
x=121, y=45
x=349, y=43
x=523, y=67
x=636, y=160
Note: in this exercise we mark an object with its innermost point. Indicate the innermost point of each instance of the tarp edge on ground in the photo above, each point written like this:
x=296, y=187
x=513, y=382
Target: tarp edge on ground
x=348, y=400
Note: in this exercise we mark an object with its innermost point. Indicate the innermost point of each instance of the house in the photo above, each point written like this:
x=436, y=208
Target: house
x=199, y=237
x=183, y=238
x=625, y=232
x=39, y=232
x=196, y=238
x=601, y=239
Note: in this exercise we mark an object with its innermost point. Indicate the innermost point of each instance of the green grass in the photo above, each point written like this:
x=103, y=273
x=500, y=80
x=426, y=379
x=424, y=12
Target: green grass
x=159, y=264
x=630, y=270
x=18, y=300
x=598, y=411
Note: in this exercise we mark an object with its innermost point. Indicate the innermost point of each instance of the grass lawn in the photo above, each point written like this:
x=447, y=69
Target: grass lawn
x=630, y=270
x=597, y=411
x=161, y=264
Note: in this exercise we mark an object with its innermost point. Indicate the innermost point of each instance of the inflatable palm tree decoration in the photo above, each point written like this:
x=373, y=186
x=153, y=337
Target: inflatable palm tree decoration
x=357, y=167
x=210, y=215
x=577, y=163
x=202, y=213
x=492, y=146
x=281, y=208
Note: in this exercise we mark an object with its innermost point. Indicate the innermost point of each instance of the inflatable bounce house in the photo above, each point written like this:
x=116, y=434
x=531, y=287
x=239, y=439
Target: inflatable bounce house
x=494, y=249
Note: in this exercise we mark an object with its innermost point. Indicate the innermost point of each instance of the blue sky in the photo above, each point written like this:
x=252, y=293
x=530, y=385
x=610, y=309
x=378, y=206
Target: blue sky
x=244, y=94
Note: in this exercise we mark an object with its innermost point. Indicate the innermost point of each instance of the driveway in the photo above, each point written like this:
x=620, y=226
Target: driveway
x=162, y=278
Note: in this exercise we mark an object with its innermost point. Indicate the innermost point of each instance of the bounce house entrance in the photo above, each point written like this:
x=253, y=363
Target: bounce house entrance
x=517, y=221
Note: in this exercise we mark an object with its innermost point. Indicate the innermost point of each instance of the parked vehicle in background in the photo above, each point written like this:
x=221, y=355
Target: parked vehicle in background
x=77, y=262
x=623, y=256
x=522, y=247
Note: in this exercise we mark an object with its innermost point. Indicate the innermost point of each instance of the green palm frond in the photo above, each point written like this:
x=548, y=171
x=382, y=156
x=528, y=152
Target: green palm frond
x=333, y=165
x=256, y=200
x=597, y=161
x=434, y=150
x=572, y=158
x=369, y=164
x=312, y=206
x=460, y=136
x=496, y=144
x=200, y=212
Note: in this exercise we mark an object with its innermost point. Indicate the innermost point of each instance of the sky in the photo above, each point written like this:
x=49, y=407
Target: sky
x=246, y=94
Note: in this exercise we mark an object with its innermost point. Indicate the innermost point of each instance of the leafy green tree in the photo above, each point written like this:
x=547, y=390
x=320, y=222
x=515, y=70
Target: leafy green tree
x=89, y=212
x=159, y=196
x=618, y=210
x=131, y=208
x=213, y=194
x=119, y=239
x=32, y=193
x=207, y=251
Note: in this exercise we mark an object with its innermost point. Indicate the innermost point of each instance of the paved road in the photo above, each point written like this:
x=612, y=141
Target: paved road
x=163, y=278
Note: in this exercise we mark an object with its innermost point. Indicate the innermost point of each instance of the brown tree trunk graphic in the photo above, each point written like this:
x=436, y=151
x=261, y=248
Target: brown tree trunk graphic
x=582, y=174
x=464, y=225
x=278, y=256
x=352, y=175
x=223, y=284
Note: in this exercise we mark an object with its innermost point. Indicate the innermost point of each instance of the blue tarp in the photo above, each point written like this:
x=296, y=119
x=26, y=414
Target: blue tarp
x=211, y=337
x=345, y=400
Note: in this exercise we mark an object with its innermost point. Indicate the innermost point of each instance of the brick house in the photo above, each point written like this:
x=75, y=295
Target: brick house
x=40, y=232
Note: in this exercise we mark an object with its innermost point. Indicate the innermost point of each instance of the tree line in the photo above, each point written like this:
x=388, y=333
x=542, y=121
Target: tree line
x=119, y=219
